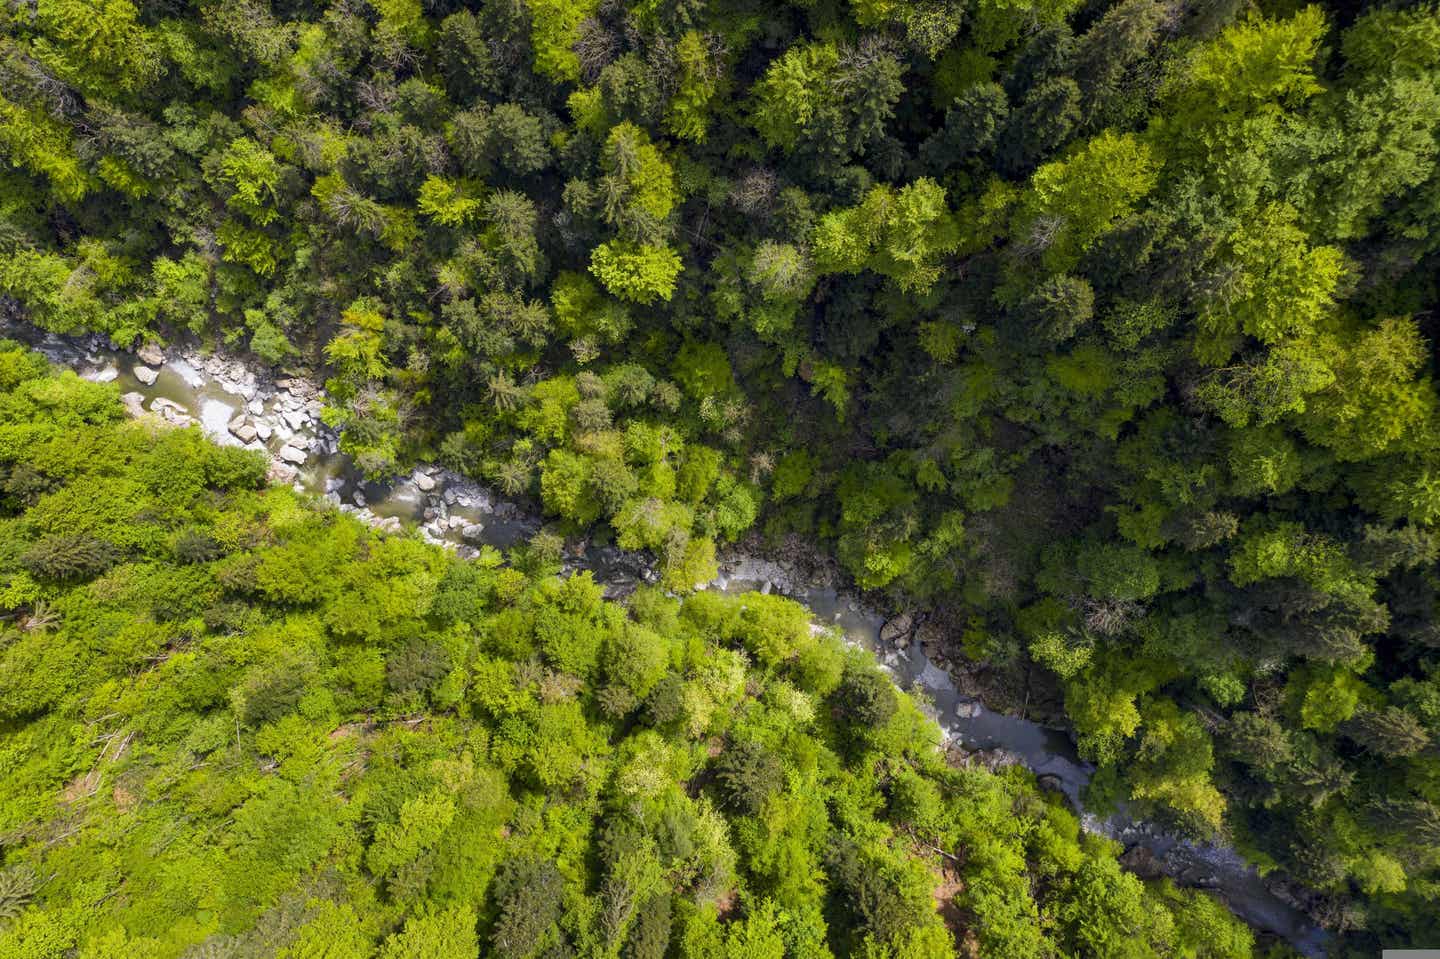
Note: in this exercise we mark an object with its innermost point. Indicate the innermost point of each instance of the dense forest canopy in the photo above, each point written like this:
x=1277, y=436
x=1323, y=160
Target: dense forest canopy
x=237, y=723
x=1104, y=327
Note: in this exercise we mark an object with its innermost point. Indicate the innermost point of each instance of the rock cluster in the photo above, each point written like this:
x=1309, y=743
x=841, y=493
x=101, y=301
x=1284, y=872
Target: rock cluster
x=765, y=574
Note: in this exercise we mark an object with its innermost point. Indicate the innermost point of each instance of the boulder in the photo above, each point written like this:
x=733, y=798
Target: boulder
x=292, y=454
x=472, y=531
x=281, y=472
x=897, y=628
x=134, y=403
x=295, y=419
x=967, y=710
x=244, y=432
x=151, y=354
x=424, y=482
x=264, y=430
x=1142, y=862
x=146, y=375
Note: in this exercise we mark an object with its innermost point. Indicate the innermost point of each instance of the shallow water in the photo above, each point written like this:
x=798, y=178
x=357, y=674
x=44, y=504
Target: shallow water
x=964, y=722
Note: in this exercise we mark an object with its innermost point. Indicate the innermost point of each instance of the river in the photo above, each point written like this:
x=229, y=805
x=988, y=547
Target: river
x=241, y=405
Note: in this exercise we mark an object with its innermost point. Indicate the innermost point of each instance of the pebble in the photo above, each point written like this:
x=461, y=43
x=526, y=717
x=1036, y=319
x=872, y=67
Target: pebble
x=146, y=375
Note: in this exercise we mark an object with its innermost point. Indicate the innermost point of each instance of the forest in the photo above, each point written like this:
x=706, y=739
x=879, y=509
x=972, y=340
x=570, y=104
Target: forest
x=239, y=723
x=1102, y=331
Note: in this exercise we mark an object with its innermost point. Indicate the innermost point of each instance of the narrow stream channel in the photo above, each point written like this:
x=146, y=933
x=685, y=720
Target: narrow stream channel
x=237, y=405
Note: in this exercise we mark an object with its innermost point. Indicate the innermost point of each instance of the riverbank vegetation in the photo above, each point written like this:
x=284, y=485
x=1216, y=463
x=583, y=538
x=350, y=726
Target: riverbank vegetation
x=1105, y=327
x=235, y=722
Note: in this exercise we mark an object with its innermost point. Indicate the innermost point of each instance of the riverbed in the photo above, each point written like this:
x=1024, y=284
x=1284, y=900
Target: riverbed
x=238, y=404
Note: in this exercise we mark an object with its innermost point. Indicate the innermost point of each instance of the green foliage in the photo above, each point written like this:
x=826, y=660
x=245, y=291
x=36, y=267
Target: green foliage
x=356, y=745
x=638, y=273
x=899, y=234
x=1009, y=307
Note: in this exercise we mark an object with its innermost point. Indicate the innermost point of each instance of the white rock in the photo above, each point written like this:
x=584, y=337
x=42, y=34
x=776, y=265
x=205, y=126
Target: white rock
x=151, y=354
x=134, y=403
x=359, y=498
x=424, y=483
x=472, y=531
x=296, y=419
x=256, y=407
x=105, y=375
x=263, y=429
x=146, y=375
x=967, y=710
x=245, y=433
x=292, y=454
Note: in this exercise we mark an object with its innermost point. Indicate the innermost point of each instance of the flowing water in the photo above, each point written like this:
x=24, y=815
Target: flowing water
x=218, y=394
